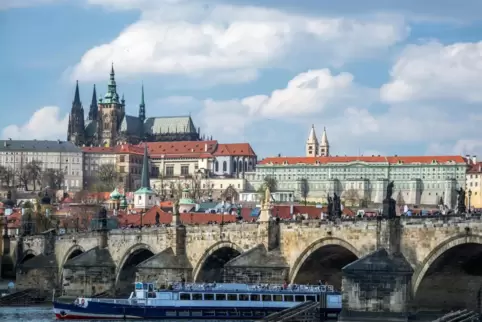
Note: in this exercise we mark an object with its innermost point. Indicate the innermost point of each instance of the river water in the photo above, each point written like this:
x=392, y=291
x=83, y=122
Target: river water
x=33, y=313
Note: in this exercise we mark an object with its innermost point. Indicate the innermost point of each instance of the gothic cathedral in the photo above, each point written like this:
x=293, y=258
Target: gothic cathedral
x=108, y=124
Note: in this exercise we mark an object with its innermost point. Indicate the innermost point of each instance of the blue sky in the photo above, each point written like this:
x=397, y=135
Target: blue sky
x=385, y=77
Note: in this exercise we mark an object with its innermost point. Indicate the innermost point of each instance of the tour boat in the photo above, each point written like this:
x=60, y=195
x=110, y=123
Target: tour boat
x=184, y=301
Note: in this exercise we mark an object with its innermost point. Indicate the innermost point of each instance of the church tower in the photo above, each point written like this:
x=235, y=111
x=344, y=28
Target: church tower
x=76, y=127
x=324, y=145
x=142, y=107
x=145, y=198
x=312, y=143
x=93, y=111
x=111, y=112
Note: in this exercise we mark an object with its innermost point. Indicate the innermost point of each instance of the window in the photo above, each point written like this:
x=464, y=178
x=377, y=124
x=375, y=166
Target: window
x=169, y=170
x=208, y=297
x=216, y=166
x=299, y=298
x=185, y=296
x=225, y=166
x=184, y=170
x=197, y=297
x=254, y=297
x=243, y=297
x=310, y=298
x=232, y=297
x=277, y=298
x=122, y=169
x=220, y=297
x=267, y=297
x=122, y=158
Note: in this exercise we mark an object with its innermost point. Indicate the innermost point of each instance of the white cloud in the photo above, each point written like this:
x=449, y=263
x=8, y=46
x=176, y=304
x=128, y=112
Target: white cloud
x=46, y=123
x=434, y=71
x=193, y=40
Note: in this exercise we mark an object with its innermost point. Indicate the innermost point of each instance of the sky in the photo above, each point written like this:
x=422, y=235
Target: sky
x=383, y=76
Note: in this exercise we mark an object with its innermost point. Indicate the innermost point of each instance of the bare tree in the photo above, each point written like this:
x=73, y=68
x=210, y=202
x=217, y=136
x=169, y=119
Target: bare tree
x=351, y=197
x=23, y=177
x=161, y=188
x=175, y=189
x=54, y=178
x=107, y=176
x=304, y=189
x=34, y=169
x=400, y=200
x=7, y=176
x=195, y=187
x=80, y=196
x=207, y=188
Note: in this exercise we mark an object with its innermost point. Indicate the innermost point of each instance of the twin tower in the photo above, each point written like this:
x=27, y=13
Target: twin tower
x=315, y=148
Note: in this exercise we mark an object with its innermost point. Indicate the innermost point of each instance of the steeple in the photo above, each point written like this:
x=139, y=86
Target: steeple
x=312, y=143
x=324, y=145
x=145, y=170
x=93, y=106
x=111, y=96
x=76, y=101
x=142, y=107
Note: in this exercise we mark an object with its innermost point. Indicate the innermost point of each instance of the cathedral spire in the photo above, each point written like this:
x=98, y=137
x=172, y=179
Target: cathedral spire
x=142, y=107
x=112, y=86
x=93, y=106
x=76, y=101
x=324, y=145
x=145, y=170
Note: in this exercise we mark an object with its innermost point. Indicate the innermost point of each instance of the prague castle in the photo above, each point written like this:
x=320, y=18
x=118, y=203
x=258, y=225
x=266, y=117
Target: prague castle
x=108, y=124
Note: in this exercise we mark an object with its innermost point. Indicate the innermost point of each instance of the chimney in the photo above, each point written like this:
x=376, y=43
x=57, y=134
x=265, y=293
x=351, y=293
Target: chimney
x=474, y=159
x=205, y=147
x=467, y=158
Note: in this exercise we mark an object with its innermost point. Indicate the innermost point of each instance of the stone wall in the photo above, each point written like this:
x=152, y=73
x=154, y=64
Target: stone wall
x=87, y=281
x=255, y=275
x=162, y=277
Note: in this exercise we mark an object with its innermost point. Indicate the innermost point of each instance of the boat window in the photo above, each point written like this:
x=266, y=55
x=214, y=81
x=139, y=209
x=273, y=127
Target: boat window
x=243, y=297
x=267, y=297
x=278, y=298
x=151, y=295
x=288, y=298
x=197, y=296
x=220, y=297
x=185, y=296
x=310, y=298
x=138, y=286
x=208, y=297
x=299, y=298
x=254, y=297
x=196, y=313
x=150, y=288
x=233, y=313
x=222, y=313
x=232, y=297
x=183, y=313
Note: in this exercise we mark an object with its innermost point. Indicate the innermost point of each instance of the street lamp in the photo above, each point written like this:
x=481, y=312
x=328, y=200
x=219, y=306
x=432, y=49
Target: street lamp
x=470, y=195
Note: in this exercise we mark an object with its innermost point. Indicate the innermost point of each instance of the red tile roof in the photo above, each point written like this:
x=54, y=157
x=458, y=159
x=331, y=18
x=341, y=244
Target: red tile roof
x=475, y=168
x=234, y=149
x=182, y=148
x=368, y=159
x=118, y=149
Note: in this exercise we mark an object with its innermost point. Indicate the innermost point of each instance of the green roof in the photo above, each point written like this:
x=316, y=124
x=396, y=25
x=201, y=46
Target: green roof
x=143, y=191
x=115, y=194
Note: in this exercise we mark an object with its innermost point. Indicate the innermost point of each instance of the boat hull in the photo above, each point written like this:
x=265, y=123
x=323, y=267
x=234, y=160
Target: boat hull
x=112, y=311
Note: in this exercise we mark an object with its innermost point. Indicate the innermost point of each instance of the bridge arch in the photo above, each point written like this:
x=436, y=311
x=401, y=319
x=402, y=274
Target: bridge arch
x=126, y=269
x=315, y=258
x=453, y=267
x=27, y=255
x=74, y=251
x=213, y=260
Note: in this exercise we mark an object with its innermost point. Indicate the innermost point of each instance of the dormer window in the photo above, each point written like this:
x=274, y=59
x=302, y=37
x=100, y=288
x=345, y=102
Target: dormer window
x=317, y=162
x=400, y=162
x=285, y=163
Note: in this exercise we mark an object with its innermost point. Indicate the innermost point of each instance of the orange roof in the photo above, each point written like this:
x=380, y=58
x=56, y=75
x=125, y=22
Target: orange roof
x=234, y=149
x=118, y=149
x=368, y=159
x=182, y=148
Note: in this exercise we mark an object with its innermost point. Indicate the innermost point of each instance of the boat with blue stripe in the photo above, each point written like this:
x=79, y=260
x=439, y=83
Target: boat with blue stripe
x=213, y=301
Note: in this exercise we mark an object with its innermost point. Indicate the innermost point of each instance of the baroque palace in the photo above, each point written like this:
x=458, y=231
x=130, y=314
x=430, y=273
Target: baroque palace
x=108, y=124
x=361, y=180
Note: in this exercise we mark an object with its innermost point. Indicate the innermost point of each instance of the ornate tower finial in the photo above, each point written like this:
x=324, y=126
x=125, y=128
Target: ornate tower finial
x=142, y=106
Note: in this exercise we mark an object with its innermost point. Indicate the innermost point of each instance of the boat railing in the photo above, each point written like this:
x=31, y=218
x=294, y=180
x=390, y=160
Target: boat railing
x=118, y=301
x=257, y=287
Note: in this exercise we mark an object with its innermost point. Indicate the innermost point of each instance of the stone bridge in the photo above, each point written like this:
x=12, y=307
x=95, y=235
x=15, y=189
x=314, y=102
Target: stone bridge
x=446, y=255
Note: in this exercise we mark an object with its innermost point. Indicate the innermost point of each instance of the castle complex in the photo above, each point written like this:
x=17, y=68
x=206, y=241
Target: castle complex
x=108, y=124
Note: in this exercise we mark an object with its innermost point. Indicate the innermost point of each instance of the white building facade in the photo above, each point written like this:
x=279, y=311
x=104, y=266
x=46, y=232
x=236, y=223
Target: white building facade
x=424, y=180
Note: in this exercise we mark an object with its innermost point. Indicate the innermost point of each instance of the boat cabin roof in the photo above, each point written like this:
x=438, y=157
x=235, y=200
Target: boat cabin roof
x=239, y=288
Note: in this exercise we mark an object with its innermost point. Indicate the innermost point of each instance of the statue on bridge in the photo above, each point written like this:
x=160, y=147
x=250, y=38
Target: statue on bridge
x=102, y=218
x=334, y=207
x=389, y=204
x=175, y=208
x=461, y=208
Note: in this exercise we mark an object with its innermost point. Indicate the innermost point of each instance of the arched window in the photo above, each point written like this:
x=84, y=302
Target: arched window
x=240, y=166
x=225, y=166
x=245, y=165
x=235, y=165
x=216, y=166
